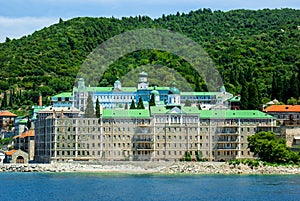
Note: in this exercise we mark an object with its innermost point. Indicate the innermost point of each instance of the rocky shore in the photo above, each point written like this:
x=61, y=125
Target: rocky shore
x=152, y=167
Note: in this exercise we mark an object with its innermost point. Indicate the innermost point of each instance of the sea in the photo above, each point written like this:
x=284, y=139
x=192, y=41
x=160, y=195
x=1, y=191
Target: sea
x=146, y=187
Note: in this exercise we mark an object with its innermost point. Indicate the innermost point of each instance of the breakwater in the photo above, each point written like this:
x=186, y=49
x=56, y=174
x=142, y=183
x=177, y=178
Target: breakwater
x=152, y=167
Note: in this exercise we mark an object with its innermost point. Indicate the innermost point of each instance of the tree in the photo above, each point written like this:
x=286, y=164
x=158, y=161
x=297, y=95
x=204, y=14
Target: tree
x=152, y=101
x=4, y=101
x=292, y=101
x=253, y=103
x=132, y=106
x=294, y=87
x=97, y=108
x=89, y=110
x=244, y=97
x=274, y=92
x=140, y=104
x=7, y=39
x=28, y=124
x=188, y=103
x=269, y=149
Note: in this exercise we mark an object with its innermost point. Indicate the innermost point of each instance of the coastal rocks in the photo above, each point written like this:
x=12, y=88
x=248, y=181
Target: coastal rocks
x=152, y=167
x=225, y=168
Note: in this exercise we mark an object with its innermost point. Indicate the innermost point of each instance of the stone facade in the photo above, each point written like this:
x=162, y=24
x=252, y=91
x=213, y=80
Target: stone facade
x=158, y=134
x=25, y=142
x=16, y=156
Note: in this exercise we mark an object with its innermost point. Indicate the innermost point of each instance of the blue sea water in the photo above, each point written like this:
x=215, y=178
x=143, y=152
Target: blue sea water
x=100, y=186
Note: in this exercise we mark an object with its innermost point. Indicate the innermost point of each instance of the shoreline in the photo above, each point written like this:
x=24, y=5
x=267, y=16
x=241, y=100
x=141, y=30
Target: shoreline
x=169, y=168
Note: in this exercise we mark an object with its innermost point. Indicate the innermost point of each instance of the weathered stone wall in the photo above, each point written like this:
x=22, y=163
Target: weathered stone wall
x=290, y=133
x=17, y=154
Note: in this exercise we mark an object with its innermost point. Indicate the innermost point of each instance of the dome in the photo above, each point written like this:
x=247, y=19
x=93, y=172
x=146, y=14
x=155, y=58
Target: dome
x=143, y=74
x=117, y=82
x=155, y=92
x=174, y=90
x=223, y=89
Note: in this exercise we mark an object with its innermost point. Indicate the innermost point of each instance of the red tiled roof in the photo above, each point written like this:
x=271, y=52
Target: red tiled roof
x=283, y=108
x=7, y=114
x=29, y=133
x=11, y=152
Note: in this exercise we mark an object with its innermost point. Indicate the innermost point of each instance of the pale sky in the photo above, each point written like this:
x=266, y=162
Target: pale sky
x=22, y=17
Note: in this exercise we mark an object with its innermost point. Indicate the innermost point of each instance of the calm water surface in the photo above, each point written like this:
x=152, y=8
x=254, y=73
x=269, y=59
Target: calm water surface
x=99, y=186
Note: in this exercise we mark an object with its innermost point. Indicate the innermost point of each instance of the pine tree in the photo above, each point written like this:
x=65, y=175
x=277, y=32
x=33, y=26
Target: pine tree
x=140, y=104
x=11, y=96
x=244, y=97
x=4, y=101
x=253, y=103
x=152, y=101
x=132, y=106
x=97, y=108
x=298, y=78
x=285, y=91
x=294, y=87
x=89, y=110
x=274, y=93
x=28, y=124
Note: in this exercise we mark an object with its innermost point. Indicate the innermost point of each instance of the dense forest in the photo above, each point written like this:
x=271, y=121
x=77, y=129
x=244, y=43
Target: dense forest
x=256, y=52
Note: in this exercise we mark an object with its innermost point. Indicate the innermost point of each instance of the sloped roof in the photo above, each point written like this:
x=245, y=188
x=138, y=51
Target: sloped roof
x=233, y=114
x=235, y=99
x=6, y=113
x=64, y=94
x=283, y=108
x=11, y=152
x=158, y=110
x=28, y=133
x=134, y=113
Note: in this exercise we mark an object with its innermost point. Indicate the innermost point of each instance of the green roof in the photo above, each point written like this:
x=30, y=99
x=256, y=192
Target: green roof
x=23, y=121
x=158, y=110
x=135, y=113
x=199, y=93
x=235, y=99
x=63, y=95
x=190, y=110
x=233, y=114
x=163, y=110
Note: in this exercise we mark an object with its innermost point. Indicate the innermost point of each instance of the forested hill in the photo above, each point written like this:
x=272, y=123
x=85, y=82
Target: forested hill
x=250, y=48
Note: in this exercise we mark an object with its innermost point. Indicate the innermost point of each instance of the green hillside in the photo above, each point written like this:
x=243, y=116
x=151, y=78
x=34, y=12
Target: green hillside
x=255, y=48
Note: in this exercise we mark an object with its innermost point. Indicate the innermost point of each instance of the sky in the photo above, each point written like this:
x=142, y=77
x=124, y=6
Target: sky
x=22, y=17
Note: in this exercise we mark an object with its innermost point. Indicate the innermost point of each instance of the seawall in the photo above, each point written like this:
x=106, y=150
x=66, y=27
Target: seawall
x=152, y=167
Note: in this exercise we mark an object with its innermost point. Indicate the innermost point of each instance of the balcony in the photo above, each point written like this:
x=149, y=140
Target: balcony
x=227, y=141
x=140, y=148
x=146, y=140
x=227, y=133
x=228, y=125
x=227, y=148
x=143, y=125
x=263, y=125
